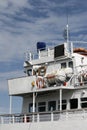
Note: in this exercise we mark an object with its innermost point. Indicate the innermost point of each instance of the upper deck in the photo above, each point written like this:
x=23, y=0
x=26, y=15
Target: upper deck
x=54, y=79
x=54, y=69
x=46, y=56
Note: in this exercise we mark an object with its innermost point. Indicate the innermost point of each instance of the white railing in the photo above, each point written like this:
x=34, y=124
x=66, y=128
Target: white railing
x=40, y=54
x=43, y=117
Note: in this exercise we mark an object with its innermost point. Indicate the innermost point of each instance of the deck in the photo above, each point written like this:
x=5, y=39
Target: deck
x=79, y=114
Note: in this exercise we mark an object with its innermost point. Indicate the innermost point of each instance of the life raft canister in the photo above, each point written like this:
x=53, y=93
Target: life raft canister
x=40, y=82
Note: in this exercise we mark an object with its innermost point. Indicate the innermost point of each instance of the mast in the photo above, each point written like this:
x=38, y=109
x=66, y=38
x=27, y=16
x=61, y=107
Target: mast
x=66, y=34
x=67, y=40
x=67, y=31
x=67, y=28
x=66, y=37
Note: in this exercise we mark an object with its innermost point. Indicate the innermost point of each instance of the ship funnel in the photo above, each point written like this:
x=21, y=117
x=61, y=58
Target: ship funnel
x=41, y=46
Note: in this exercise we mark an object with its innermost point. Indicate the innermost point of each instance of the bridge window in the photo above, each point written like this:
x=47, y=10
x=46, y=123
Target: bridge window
x=70, y=64
x=84, y=102
x=73, y=103
x=31, y=107
x=41, y=106
x=51, y=105
x=29, y=72
x=64, y=104
x=63, y=65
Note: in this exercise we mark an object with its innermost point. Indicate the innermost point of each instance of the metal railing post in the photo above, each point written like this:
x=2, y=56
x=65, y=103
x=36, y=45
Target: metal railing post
x=48, y=52
x=25, y=117
x=2, y=120
x=38, y=118
x=39, y=54
x=66, y=115
x=33, y=118
x=51, y=116
x=13, y=119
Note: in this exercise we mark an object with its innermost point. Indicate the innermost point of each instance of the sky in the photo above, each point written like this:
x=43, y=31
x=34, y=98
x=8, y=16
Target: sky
x=25, y=22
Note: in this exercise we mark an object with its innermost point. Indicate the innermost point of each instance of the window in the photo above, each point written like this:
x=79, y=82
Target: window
x=51, y=105
x=31, y=107
x=41, y=106
x=29, y=72
x=59, y=51
x=84, y=102
x=64, y=104
x=70, y=64
x=63, y=65
x=73, y=103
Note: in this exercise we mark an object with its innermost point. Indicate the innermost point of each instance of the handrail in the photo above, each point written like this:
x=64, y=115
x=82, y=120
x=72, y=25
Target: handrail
x=29, y=56
x=43, y=116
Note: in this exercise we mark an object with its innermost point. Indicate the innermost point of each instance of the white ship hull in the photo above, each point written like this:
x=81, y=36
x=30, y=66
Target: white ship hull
x=67, y=120
x=56, y=125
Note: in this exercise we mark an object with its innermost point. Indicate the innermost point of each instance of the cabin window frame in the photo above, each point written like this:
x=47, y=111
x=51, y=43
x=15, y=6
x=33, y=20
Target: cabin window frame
x=51, y=105
x=31, y=107
x=83, y=102
x=64, y=104
x=41, y=106
x=74, y=103
x=29, y=72
x=63, y=65
x=70, y=64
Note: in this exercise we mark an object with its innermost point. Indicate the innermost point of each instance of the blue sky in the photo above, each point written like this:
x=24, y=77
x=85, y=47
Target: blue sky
x=25, y=22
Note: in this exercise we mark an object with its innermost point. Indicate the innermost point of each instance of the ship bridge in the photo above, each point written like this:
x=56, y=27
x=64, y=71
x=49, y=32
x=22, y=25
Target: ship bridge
x=55, y=82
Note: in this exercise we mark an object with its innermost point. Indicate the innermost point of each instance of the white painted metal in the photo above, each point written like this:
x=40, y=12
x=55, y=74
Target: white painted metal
x=33, y=102
x=69, y=120
x=10, y=105
x=60, y=99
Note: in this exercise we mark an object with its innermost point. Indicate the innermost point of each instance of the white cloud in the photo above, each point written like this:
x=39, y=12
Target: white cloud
x=13, y=6
x=14, y=3
x=3, y=3
x=18, y=3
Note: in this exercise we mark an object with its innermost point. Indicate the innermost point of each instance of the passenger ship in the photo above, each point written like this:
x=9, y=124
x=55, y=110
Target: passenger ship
x=54, y=90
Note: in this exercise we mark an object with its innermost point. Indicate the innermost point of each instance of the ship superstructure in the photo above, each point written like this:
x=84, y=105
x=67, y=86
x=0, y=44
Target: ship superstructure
x=54, y=90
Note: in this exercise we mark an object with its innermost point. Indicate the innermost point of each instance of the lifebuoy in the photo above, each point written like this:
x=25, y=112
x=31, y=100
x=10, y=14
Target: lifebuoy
x=40, y=82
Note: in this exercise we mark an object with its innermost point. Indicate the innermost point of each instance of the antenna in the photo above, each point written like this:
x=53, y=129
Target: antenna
x=66, y=31
x=67, y=26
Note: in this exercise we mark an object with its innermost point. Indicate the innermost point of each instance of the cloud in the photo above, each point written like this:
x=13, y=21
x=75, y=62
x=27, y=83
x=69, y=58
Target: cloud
x=11, y=5
x=27, y=22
